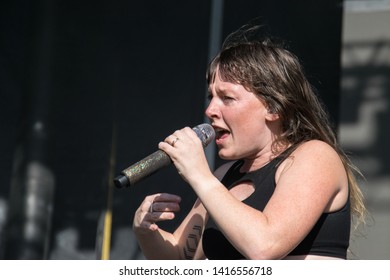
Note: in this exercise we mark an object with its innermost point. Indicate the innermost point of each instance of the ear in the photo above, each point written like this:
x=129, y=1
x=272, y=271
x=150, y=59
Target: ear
x=271, y=116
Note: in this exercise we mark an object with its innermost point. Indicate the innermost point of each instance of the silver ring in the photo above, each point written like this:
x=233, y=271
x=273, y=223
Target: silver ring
x=151, y=207
x=174, y=141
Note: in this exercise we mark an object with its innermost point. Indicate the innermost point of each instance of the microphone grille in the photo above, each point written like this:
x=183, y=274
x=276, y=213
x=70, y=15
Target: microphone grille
x=205, y=133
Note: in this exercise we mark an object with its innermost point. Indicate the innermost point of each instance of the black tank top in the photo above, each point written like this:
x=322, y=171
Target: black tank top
x=329, y=236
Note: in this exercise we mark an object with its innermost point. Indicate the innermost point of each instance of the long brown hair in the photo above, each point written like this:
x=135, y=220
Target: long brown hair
x=266, y=68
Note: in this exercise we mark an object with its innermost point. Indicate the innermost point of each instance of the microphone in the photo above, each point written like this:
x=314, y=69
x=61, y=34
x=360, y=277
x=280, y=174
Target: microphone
x=158, y=160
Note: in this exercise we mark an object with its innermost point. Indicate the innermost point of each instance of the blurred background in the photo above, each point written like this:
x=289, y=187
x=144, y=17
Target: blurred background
x=364, y=117
x=88, y=88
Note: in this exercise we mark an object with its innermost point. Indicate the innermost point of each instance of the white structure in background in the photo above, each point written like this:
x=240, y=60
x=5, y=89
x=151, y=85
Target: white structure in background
x=365, y=117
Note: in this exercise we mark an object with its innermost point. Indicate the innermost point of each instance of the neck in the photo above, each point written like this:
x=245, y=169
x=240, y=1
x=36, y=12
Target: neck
x=251, y=164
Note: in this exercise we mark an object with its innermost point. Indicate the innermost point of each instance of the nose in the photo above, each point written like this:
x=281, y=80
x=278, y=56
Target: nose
x=212, y=110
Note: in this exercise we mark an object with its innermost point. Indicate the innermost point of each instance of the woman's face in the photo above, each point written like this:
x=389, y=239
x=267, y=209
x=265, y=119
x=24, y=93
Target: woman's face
x=240, y=119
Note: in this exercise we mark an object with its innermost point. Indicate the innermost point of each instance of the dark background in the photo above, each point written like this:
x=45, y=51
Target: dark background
x=88, y=88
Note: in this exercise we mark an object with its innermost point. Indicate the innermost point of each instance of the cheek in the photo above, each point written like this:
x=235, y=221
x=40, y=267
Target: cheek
x=251, y=128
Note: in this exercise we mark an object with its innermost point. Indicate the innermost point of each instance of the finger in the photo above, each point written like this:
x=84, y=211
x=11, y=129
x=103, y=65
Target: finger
x=159, y=216
x=190, y=135
x=147, y=205
x=182, y=134
x=172, y=140
x=165, y=207
x=166, y=197
x=149, y=226
x=185, y=135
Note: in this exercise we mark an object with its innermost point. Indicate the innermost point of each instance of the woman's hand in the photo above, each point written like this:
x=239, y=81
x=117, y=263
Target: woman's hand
x=187, y=153
x=155, y=208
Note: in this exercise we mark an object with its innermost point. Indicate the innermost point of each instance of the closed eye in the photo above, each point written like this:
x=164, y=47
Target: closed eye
x=227, y=99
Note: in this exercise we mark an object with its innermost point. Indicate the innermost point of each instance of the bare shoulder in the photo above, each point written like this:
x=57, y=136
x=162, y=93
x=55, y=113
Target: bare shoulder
x=314, y=152
x=315, y=168
x=313, y=160
x=315, y=146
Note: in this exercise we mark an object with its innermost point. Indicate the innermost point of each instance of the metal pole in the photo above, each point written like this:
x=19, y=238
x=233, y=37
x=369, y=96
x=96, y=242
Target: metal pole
x=215, y=36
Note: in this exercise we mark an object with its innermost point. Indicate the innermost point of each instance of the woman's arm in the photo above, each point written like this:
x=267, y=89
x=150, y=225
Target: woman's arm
x=185, y=242
x=311, y=181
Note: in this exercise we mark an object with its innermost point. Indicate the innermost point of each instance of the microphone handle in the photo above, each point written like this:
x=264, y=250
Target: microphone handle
x=142, y=169
x=158, y=159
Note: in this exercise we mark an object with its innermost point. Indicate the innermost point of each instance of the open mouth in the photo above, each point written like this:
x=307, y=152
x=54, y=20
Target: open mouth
x=221, y=133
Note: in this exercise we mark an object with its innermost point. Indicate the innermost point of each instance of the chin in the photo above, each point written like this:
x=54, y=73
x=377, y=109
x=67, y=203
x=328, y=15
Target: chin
x=226, y=156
